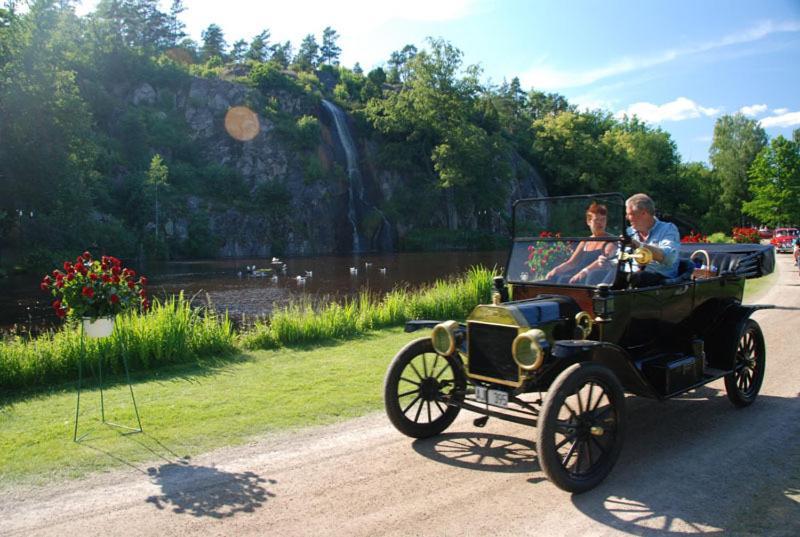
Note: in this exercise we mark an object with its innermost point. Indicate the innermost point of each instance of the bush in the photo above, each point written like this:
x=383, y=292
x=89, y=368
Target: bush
x=746, y=235
x=307, y=132
x=171, y=332
x=719, y=237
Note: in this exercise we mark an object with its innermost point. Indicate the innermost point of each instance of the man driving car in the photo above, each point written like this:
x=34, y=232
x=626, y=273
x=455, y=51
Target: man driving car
x=660, y=238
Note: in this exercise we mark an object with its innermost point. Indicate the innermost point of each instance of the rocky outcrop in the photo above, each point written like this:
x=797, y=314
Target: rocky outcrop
x=316, y=220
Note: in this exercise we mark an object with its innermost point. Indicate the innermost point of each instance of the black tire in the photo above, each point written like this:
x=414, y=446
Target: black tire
x=744, y=383
x=581, y=429
x=422, y=389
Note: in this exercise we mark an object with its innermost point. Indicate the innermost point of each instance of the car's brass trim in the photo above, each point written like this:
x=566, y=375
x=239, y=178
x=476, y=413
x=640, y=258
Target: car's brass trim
x=584, y=321
x=521, y=376
x=496, y=381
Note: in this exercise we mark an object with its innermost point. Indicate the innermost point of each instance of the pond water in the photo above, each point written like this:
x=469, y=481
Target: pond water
x=228, y=284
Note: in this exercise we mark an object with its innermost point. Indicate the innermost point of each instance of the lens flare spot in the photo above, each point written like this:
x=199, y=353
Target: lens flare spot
x=242, y=123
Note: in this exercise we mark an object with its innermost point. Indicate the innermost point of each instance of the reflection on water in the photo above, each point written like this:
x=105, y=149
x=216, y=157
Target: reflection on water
x=229, y=285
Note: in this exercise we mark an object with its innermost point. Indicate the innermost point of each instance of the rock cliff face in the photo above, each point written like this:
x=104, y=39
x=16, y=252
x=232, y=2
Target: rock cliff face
x=316, y=220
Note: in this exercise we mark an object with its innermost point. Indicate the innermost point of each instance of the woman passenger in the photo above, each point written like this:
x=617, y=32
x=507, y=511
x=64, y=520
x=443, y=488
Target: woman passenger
x=585, y=256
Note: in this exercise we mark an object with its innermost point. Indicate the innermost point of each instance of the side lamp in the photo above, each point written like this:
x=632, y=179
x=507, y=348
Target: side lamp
x=603, y=303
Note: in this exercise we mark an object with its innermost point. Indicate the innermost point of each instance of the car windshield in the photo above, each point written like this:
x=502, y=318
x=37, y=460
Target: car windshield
x=787, y=233
x=559, y=241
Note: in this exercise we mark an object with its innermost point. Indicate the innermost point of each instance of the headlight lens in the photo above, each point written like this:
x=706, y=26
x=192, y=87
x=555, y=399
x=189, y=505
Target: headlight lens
x=443, y=337
x=528, y=349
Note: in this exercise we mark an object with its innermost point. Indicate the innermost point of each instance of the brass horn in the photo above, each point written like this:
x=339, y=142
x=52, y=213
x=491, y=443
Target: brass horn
x=642, y=256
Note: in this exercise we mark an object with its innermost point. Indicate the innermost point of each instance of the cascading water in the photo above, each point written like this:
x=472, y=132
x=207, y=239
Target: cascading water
x=355, y=187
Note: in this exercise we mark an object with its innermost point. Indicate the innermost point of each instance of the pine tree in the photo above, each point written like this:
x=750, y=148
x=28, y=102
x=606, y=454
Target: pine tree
x=259, y=47
x=329, y=51
x=213, y=43
x=308, y=56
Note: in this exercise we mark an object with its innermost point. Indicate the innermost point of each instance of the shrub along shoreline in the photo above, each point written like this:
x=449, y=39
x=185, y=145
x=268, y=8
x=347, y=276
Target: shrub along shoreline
x=173, y=332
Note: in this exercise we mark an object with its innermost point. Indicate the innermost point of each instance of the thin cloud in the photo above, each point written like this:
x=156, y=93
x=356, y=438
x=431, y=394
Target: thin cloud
x=549, y=77
x=787, y=119
x=680, y=109
x=753, y=110
x=780, y=111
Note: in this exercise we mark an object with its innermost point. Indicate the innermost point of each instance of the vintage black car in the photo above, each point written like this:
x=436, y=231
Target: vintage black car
x=584, y=343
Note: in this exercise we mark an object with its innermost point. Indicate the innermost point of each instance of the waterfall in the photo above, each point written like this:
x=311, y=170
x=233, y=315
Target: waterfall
x=355, y=188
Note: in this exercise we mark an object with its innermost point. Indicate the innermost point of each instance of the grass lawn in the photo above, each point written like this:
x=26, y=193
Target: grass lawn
x=187, y=410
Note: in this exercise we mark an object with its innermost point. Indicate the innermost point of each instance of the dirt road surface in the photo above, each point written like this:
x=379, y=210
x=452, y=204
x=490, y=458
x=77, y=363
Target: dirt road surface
x=691, y=465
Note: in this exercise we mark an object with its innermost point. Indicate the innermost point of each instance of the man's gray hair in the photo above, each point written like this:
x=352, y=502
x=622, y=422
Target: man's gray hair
x=642, y=202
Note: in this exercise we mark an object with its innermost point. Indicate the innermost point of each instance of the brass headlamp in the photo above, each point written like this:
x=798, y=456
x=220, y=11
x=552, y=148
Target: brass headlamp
x=443, y=337
x=527, y=349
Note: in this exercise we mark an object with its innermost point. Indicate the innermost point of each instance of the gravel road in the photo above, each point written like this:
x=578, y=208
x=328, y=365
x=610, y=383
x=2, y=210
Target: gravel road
x=690, y=465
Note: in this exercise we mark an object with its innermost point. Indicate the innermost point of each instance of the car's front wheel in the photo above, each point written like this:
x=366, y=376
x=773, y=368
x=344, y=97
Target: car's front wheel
x=422, y=389
x=744, y=383
x=581, y=426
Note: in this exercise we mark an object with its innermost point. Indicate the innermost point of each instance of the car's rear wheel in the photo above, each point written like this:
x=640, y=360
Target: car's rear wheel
x=581, y=426
x=422, y=389
x=744, y=383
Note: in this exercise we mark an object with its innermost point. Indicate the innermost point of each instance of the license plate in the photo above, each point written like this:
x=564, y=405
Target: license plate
x=492, y=397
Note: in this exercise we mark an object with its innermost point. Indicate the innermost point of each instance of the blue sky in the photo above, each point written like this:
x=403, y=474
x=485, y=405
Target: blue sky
x=677, y=64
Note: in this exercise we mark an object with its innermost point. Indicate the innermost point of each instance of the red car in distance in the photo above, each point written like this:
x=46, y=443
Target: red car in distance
x=783, y=239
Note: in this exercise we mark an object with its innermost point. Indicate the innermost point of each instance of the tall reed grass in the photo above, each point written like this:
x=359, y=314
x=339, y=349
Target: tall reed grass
x=303, y=322
x=171, y=332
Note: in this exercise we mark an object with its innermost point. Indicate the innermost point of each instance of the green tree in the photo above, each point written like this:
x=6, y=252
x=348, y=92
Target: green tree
x=157, y=175
x=398, y=61
x=214, y=44
x=775, y=183
x=48, y=151
x=700, y=189
x=434, y=113
x=569, y=149
x=239, y=51
x=259, y=47
x=307, y=57
x=329, y=51
x=737, y=141
x=176, y=27
x=281, y=54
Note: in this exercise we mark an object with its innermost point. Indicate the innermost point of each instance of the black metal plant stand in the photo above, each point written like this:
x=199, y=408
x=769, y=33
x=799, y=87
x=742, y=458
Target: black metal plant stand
x=131, y=430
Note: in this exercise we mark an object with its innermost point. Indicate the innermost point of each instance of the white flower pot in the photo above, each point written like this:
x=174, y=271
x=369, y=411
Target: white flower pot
x=98, y=328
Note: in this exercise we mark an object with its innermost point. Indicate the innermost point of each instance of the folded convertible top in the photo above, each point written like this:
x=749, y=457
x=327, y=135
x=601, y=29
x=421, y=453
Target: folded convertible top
x=748, y=260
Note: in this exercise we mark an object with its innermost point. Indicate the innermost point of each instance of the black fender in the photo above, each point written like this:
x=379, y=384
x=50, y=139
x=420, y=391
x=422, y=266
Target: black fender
x=721, y=340
x=413, y=326
x=612, y=356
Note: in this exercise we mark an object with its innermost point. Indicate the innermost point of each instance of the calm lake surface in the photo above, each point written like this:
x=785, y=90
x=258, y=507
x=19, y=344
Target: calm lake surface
x=227, y=284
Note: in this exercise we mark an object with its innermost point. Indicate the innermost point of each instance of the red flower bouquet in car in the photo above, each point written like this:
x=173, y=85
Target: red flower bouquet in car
x=93, y=289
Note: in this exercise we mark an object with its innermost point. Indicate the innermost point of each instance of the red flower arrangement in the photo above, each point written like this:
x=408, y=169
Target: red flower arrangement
x=694, y=237
x=545, y=255
x=95, y=288
x=746, y=235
